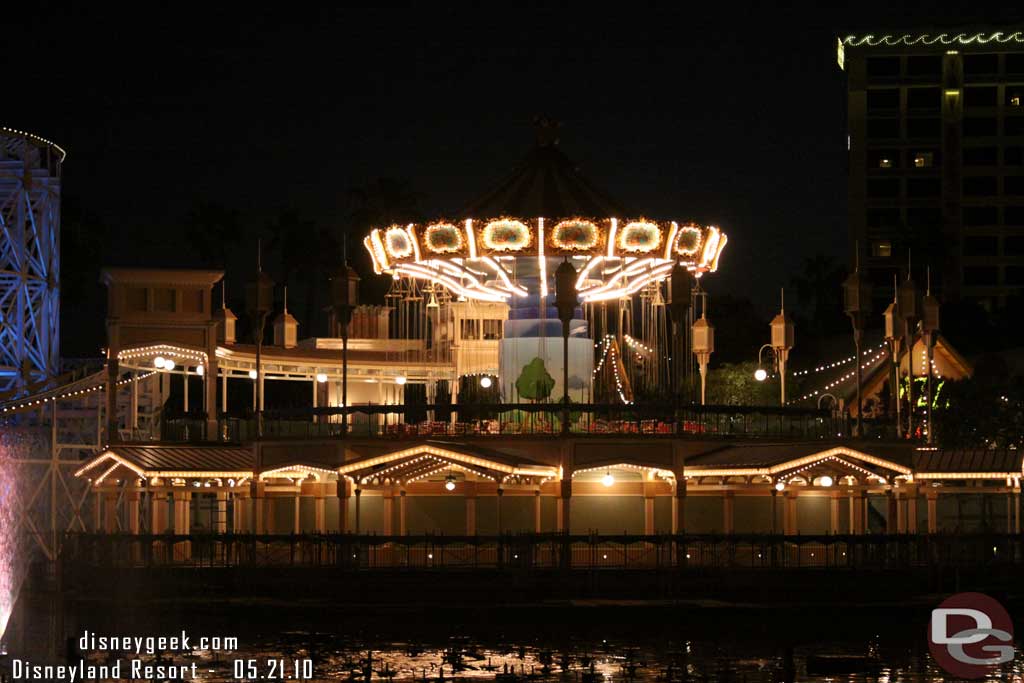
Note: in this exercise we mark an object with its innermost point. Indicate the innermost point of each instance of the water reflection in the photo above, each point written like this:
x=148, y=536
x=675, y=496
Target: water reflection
x=540, y=643
x=339, y=658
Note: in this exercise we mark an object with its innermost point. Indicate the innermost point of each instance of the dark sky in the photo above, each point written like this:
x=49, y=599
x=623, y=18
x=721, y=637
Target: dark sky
x=732, y=115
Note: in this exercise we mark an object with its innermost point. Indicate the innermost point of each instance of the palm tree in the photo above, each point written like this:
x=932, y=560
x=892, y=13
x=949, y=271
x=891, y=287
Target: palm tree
x=213, y=229
x=378, y=204
x=819, y=294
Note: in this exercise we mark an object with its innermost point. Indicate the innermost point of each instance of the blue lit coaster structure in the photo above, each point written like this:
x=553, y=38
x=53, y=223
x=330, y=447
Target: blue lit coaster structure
x=505, y=254
x=30, y=170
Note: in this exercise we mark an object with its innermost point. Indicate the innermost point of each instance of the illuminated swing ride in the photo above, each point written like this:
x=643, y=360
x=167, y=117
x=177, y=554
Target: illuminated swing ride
x=504, y=258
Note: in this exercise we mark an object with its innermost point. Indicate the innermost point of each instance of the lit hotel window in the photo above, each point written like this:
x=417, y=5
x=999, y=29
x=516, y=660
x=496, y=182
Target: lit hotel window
x=881, y=249
x=924, y=159
x=885, y=163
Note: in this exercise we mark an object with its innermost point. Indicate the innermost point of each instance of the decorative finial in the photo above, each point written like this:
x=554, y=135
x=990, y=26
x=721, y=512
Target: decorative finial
x=286, y=299
x=224, y=292
x=783, y=307
x=546, y=131
x=259, y=254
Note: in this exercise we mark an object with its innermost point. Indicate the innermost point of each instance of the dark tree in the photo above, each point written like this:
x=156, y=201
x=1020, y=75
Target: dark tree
x=213, y=230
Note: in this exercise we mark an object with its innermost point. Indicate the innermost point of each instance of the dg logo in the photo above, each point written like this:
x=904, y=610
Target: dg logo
x=969, y=634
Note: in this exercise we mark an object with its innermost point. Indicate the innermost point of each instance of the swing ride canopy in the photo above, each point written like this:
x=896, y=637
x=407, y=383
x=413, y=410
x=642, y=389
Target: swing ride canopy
x=504, y=244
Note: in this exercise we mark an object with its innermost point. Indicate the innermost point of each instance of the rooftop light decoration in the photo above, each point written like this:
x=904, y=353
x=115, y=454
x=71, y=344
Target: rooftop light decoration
x=478, y=258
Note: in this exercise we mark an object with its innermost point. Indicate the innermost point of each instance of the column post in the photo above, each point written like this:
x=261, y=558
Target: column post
x=679, y=505
x=913, y=493
x=497, y=504
x=728, y=512
x=402, y=529
x=133, y=511
x=359, y=494
x=238, y=521
x=221, y=525
x=833, y=514
x=110, y=512
x=343, y=492
x=789, y=523
x=320, y=510
x=469, y=492
x=648, y=515
x=775, y=514
x=210, y=391
x=1016, y=509
x=564, y=503
x=933, y=505
x=389, y=511
x=182, y=523
x=891, y=516
x=536, y=512
x=158, y=512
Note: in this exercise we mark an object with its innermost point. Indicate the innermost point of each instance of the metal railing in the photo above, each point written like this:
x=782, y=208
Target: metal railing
x=528, y=552
x=418, y=421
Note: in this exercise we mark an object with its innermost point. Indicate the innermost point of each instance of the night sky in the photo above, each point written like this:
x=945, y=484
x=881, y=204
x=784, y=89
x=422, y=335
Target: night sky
x=734, y=117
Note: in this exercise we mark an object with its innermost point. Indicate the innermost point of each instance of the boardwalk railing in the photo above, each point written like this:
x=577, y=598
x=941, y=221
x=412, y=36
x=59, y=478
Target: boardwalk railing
x=509, y=419
x=83, y=551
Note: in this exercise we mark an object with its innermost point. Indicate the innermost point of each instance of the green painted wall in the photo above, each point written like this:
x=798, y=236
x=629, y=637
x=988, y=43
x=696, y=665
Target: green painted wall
x=812, y=515
x=307, y=514
x=436, y=514
x=333, y=508
x=487, y=515
x=662, y=515
x=704, y=515
x=972, y=512
x=878, y=512
x=753, y=515
x=517, y=513
x=607, y=514
x=548, y=514
x=371, y=515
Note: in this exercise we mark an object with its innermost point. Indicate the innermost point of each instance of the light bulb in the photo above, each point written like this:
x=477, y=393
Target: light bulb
x=608, y=480
x=760, y=375
x=485, y=382
x=168, y=364
x=779, y=486
x=321, y=377
x=252, y=374
x=159, y=362
x=200, y=370
x=400, y=380
x=825, y=481
x=450, y=484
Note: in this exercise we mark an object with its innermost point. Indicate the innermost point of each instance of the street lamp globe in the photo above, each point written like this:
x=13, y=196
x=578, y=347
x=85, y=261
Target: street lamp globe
x=760, y=374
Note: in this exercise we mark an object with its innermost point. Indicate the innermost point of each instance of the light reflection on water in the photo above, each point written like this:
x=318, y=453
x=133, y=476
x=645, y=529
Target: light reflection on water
x=337, y=658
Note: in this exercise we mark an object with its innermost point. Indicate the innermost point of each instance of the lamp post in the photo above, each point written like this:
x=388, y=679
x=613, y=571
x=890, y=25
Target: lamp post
x=703, y=346
x=679, y=291
x=907, y=296
x=259, y=298
x=344, y=298
x=565, y=301
x=893, y=332
x=929, y=328
x=761, y=374
x=782, y=342
x=857, y=303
